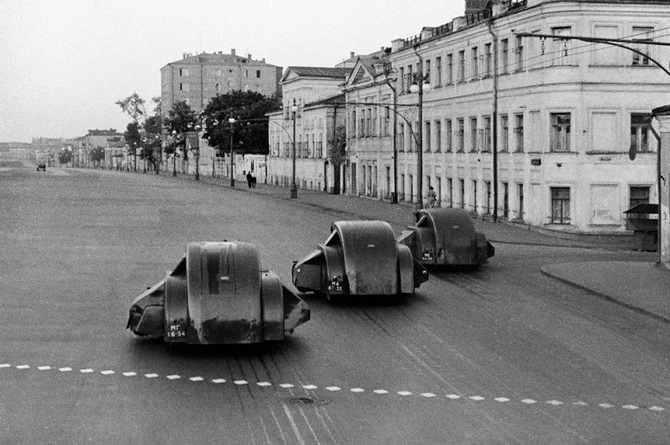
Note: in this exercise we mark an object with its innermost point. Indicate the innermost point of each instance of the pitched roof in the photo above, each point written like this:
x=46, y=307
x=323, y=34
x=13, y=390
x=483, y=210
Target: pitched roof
x=323, y=72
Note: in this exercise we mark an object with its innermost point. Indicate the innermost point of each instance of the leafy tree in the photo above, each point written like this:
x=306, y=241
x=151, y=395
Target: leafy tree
x=65, y=156
x=97, y=155
x=133, y=105
x=133, y=137
x=249, y=109
x=338, y=152
x=181, y=118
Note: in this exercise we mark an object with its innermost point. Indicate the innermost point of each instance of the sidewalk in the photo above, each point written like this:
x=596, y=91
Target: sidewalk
x=641, y=286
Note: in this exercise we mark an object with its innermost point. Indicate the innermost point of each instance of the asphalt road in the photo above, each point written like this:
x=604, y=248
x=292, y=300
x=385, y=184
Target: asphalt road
x=503, y=354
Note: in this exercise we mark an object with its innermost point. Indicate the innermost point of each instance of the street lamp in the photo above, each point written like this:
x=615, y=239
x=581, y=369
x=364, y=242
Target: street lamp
x=135, y=156
x=232, y=153
x=294, y=187
x=420, y=85
x=174, y=153
x=197, y=152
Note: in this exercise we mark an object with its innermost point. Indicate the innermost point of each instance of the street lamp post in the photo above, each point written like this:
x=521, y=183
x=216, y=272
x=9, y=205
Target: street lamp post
x=197, y=152
x=419, y=87
x=294, y=187
x=174, y=153
x=232, y=153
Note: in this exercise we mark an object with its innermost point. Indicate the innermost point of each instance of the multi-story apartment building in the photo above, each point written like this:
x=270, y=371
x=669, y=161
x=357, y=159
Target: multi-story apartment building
x=539, y=130
x=196, y=79
x=312, y=112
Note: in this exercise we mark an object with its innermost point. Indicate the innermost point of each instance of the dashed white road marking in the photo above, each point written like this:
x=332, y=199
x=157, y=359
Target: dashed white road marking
x=355, y=390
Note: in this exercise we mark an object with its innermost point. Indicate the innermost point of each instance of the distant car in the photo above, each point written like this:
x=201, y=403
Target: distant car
x=42, y=166
x=359, y=258
x=446, y=237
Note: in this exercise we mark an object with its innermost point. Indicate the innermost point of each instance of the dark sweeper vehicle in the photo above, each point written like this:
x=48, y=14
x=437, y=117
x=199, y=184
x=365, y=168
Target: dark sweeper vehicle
x=359, y=258
x=218, y=294
x=446, y=237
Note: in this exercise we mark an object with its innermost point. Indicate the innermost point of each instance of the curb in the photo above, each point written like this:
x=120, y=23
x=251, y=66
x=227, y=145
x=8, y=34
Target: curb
x=605, y=296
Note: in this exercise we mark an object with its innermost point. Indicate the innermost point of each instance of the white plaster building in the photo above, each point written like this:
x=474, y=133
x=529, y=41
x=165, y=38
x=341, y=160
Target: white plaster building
x=560, y=115
x=317, y=95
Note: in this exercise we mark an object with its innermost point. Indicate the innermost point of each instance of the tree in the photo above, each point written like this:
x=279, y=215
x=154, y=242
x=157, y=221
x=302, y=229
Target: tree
x=65, y=156
x=248, y=109
x=97, y=155
x=133, y=137
x=181, y=118
x=133, y=105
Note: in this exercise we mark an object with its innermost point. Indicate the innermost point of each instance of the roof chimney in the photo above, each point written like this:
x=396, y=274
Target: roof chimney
x=232, y=51
x=352, y=54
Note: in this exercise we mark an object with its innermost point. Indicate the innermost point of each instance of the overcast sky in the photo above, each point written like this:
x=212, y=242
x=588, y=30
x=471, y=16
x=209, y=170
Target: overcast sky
x=66, y=62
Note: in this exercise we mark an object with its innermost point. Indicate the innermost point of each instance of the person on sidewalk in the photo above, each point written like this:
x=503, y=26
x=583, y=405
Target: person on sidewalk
x=431, y=198
x=249, y=179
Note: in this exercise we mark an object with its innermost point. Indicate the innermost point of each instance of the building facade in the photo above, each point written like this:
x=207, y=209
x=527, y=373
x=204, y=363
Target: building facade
x=196, y=79
x=552, y=133
x=312, y=126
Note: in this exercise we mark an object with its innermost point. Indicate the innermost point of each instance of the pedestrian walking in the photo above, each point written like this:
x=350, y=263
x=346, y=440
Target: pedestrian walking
x=432, y=198
x=249, y=179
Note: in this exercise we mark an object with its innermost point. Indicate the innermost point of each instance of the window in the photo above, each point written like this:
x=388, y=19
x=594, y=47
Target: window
x=519, y=53
x=459, y=135
x=642, y=34
x=474, y=195
x=475, y=63
x=487, y=184
x=183, y=72
x=505, y=200
x=426, y=71
x=450, y=69
x=258, y=74
x=487, y=60
x=449, y=134
x=438, y=72
x=519, y=192
x=638, y=195
x=401, y=137
x=461, y=66
x=373, y=129
x=387, y=121
x=560, y=205
x=401, y=75
x=461, y=186
x=639, y=132
x=504, y=55
x=183, y=87
x=560, y=132
x=438, y=136
x=473, y=134
x=450, y=191
x=426, y=138
x=504, y=133
x=518, y=133
x=487, y=135
x=353, y=123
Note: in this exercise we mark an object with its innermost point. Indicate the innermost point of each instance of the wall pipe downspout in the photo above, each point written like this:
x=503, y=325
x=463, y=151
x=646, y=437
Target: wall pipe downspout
x=495, y=120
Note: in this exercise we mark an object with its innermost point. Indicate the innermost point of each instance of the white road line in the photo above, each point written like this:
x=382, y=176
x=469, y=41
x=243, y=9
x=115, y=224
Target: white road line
x=477, y=398
x=65, y=369
x=173, y=377
x=44, y=368
x=107, y=372
x=196, y=379
x=151, y=375
x=501, y=399
x=357, y=390
x=309, y=387
x=130, y=374
x=380, y=391
x=241, y=382
x=5, y=365
x=218, y=381
x=453, y=396
x=264, y=384
x=404, y=393
x=23, y=367
x=86, y=371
